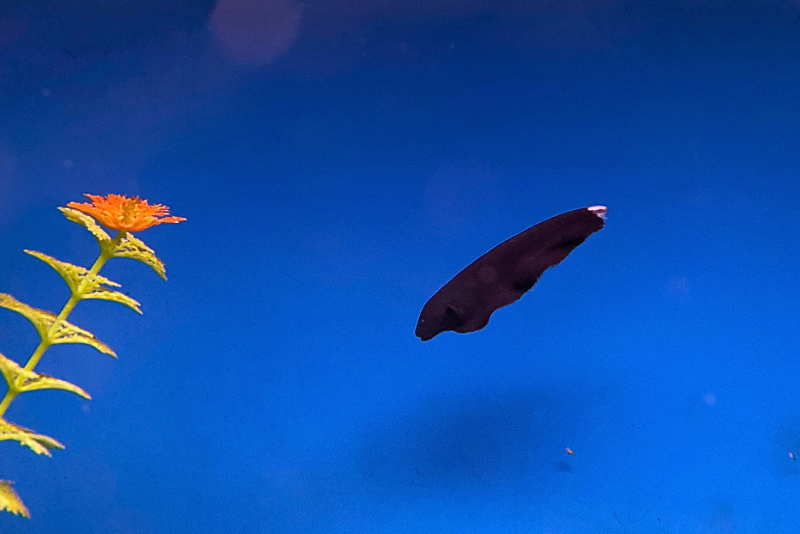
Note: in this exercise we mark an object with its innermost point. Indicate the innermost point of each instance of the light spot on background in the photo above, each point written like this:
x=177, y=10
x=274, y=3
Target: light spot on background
x=255, y=32
x=456, y=195
x=678, y=286
x=710, y=399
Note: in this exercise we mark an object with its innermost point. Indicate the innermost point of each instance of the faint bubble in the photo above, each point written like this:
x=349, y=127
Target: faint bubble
x=85, y=408
x=255, y=32
x=678, y=286
x=67, y=163
x=456, y=194
x=45, y=92
x=723, y=518
x=710, y=399
x=787, y=438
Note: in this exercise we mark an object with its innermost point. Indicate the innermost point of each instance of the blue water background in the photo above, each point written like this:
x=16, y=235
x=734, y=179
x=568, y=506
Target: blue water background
x=331, y=186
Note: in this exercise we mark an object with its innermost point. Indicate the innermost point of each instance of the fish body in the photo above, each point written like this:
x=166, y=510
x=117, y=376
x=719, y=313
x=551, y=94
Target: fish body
x=505, y=273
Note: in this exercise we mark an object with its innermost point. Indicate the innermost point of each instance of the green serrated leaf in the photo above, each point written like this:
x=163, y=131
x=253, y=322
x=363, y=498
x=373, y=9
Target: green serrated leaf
x=131, y=247
x=90, y=224
x=43, y=381
x=38, y=443
x=43, y=320
x=75, y=275
x=72, y=274
x=10, y=501
x=11, y=371
x=69, y=333
x=114, y=296
x=31, y=381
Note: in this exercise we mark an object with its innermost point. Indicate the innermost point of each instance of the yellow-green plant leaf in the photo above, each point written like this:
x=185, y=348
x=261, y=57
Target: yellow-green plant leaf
x=89, y=223
x=12, y=371
x=43, y=320
x=114, y=296
x=42, y=381
x=94, y=289
x=38, y=443
x=10, y=501
x=32, y=381
x=69, y=333
x=131, y=247
x=72, y=274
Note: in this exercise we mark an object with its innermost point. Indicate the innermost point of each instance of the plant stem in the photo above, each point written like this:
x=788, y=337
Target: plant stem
x=105, y=254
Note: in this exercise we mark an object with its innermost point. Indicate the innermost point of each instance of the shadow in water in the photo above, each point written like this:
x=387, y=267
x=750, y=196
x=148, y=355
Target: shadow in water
x=481, y=439
x=482, y=443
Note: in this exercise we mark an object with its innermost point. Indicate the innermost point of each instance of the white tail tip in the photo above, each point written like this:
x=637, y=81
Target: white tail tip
x=600, y=211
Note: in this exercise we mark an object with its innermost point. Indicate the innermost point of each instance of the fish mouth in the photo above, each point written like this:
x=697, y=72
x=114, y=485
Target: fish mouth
x=600, y=211
x=424, y=334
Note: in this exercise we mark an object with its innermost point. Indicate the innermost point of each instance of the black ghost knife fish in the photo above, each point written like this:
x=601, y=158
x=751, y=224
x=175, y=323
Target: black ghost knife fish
x=505, y=273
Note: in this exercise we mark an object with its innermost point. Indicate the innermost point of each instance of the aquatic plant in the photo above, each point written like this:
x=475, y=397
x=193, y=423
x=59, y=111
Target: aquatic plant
x=115, y=212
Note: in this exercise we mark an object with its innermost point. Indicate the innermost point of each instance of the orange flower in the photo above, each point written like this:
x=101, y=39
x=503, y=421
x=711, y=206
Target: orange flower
x=119, y=212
